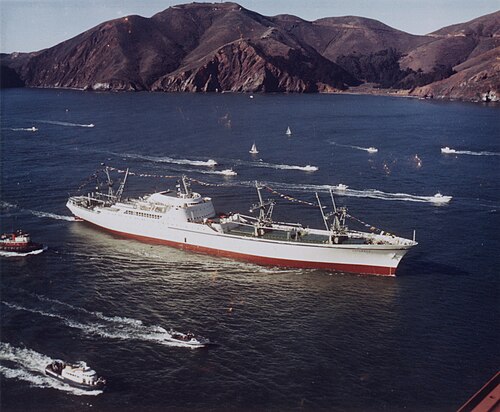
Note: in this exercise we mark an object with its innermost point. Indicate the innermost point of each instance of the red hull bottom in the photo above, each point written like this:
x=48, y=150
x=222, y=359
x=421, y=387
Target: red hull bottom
x=260, y=260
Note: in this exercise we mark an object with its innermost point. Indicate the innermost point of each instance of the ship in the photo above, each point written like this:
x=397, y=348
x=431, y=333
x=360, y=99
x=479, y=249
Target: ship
x=187, y=220
x=18, y=242
x=78, y=375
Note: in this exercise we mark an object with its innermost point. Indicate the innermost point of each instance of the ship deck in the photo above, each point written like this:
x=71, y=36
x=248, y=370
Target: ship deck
x=284, y=236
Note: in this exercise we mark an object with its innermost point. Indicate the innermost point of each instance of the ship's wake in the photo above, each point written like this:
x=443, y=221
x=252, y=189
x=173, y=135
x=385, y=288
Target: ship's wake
x=29, y=366
x=96, y=323
x=342, y=190
x=448, y=150
x=24, y=129
x=17, y=254
x=67, y=124
x=37, y=213
x=307, y=168
x=370, y=149
x=167, y=159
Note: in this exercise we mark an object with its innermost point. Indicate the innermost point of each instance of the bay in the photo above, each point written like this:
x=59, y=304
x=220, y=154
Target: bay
x=286, y=339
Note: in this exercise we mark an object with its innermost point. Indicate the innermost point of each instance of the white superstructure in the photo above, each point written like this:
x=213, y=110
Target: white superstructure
x=186, y=220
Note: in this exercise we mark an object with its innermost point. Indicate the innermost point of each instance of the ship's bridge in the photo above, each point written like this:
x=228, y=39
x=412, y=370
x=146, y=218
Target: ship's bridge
x=171, y=199
x=193, y=207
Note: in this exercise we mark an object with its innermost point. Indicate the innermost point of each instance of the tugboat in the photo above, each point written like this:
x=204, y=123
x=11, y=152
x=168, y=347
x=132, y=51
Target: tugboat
x=188, y=338
x=18, y=242
x=78, y=375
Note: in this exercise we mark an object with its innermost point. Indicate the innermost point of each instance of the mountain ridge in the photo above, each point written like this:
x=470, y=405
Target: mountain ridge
x=207, y=47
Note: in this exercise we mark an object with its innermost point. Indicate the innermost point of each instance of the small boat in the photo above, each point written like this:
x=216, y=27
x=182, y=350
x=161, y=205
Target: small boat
x=78, y=375
x=447, y=150
x=188, y=338
x=253, y=150
x=309, y=168
x=33, y=129
x=372, y=149
x=439, y=198
x=212, y=162
x=288, y=131
x=228, y=172
x=341, y=186
x=18, y=242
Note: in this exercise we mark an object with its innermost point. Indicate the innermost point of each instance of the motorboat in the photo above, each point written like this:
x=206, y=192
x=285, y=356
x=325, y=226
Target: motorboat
x=228, y=172
x=341, y=186
x=447, y=150
x=189, y=339
x=78, y=375
x=372, y=149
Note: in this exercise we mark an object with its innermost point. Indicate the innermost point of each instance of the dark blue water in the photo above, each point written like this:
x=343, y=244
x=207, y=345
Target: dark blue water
x=287, y=339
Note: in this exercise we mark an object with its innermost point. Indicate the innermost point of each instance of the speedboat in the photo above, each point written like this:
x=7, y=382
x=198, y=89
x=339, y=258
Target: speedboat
x=372, y=149
x=309, y=168
x=447, y=150
x=341, y=186
x=188, y=338
x=18, y=242
x=78, y=375
x=228, y=172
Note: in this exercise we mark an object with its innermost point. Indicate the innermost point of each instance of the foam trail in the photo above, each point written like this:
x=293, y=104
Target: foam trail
x=17, y=254
x=66, y=123
x=368, y=193
x=29, y=366
x=307, y=168
x=24, y=129
x=448, y=150
x=105, y=326
x=117, y=319
x=50, y=215
x=370, y=149
x=38, y=213
x=167, y=159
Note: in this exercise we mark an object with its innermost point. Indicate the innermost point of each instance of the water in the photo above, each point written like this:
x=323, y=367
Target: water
x=287, y=339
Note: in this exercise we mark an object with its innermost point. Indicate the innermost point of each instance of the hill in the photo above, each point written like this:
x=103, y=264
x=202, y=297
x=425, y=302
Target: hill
x=225, y=47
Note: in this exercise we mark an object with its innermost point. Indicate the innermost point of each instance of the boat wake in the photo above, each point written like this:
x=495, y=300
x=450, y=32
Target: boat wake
x=24, y=129
x=96, y=323
x=167, y=159
x=50, y=215
x=16, y=254
x=307, y=168
x=370, y=149
x=29, y=366
x=37, y=213
x=343, y=190
x=448, y=150
x=68, y=124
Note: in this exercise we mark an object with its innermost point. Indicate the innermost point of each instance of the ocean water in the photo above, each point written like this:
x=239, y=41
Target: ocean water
x=424, y=340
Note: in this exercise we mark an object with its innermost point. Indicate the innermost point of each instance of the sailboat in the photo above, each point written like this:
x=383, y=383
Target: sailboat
x=288, y=131
x=253, y=150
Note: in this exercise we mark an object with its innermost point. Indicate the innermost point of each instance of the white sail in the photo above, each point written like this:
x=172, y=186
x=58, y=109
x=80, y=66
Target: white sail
x=254, y=150
x=288, y=131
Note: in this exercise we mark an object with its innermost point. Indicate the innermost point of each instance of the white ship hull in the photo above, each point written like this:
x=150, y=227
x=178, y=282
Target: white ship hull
x=378, y=259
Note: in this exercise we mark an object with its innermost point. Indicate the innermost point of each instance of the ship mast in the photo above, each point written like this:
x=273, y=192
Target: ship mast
x=110, y=183
x=265, y=216
x=119, y=192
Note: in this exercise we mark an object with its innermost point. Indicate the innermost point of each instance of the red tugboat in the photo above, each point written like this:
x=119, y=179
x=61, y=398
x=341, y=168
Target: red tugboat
x=18, y=242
